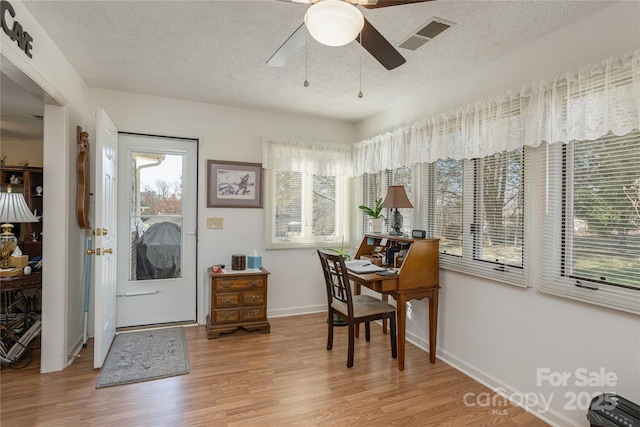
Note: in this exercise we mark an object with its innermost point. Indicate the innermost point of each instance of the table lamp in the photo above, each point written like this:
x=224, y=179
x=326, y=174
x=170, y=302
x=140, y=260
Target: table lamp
x=13, y=208
x=396, y=198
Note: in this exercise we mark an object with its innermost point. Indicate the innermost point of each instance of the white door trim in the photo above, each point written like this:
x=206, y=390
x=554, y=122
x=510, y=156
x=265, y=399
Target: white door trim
x=55, y=245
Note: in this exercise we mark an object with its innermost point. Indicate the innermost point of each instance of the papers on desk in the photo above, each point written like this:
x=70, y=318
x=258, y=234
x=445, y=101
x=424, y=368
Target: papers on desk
x=361, y=266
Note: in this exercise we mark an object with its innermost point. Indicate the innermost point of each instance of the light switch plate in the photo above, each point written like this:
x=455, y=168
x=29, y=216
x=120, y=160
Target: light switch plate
x=215, y=223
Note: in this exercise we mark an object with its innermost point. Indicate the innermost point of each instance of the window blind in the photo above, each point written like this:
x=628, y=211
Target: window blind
x=479, y=216
x=308, y=199
x=592, y=221
x=375, y=185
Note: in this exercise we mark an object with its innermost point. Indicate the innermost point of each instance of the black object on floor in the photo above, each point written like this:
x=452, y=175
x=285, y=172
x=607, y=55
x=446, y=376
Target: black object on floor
x=611, y=410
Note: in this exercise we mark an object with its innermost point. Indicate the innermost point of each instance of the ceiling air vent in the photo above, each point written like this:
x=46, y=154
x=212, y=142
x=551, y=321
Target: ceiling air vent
x=427, y=32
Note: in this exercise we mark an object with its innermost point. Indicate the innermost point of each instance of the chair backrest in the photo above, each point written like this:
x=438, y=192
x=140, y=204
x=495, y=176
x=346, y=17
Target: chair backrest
x=336, y=279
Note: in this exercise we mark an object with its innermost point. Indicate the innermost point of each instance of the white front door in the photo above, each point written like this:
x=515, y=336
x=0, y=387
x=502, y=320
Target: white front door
x=105, y=236
x=157, y=218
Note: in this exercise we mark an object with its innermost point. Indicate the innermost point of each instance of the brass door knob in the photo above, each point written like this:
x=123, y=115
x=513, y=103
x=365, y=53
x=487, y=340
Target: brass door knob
x=100, y=232
x=90, y=252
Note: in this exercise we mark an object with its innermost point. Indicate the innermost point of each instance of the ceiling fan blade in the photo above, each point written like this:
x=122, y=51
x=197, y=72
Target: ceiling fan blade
x=374, y=4
x=289, y=48
x=379, y=47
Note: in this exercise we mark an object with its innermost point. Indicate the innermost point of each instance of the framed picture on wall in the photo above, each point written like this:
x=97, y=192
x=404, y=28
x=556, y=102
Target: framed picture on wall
x=234, y=184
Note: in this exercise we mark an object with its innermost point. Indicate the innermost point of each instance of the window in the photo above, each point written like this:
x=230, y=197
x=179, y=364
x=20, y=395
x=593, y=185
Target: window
x=308, y=210
x=478, y=214
x=449, y=183
x=308, y=201
x=475, y=207
x=375, y=186
x=592, y=223
x=497, y=227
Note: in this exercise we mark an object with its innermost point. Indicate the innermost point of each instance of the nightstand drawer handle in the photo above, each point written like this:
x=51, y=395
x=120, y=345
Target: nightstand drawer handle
x=253, y=312
x=227, y=315
x=227, y=300
x=254, y=284
x=226, y=284
x=255, y=298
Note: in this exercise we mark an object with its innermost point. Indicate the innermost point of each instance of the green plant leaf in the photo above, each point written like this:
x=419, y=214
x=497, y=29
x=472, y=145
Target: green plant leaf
x=375, y=212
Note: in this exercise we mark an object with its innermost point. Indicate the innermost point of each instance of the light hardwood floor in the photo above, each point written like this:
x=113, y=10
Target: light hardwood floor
x=283, y=378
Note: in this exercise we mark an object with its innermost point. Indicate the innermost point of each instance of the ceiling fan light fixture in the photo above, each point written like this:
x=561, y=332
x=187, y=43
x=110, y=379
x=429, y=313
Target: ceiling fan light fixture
x=334, y=22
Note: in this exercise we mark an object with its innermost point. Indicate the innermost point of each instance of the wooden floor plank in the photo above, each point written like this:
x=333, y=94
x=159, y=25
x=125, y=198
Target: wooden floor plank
x=243, y=379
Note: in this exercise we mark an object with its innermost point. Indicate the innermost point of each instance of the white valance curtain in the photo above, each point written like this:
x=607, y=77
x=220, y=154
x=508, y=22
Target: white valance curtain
x=307, y=157
x=586, y=104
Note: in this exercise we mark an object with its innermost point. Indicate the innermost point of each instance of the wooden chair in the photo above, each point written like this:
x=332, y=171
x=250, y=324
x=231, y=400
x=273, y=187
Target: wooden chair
x=354, y=309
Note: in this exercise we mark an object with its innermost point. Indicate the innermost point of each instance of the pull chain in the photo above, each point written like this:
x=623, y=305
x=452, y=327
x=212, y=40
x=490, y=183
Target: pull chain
x=360, y=95
x=306, y=59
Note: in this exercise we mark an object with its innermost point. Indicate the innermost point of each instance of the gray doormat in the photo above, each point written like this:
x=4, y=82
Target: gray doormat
x=145, y=355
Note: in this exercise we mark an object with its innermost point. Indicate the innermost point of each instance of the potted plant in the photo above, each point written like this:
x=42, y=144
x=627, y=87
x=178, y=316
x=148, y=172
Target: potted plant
x=375, y=216
x=342, y=252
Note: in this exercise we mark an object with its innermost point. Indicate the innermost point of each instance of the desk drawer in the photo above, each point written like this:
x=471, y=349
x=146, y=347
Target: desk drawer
x=253, y=298
x=226, y=300
x=383, y=285
x=253, y=313
x=227, y=316
x=229, y=284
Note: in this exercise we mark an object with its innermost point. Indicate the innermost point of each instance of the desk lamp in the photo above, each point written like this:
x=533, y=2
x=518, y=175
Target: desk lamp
x=396, y=198
x=13, y=208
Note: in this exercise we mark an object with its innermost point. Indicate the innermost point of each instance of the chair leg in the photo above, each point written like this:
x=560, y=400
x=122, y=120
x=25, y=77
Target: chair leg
x=330, y=331
x=351, y=344
x=367, y=331
x=394, y=341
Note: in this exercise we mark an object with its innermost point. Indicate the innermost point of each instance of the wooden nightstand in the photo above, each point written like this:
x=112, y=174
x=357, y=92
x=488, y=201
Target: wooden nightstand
x=238, y=300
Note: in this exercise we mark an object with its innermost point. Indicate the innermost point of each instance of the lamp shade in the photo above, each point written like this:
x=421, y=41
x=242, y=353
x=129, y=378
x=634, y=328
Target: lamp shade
x=334, y=22
x=13, y=208
x=396, y=198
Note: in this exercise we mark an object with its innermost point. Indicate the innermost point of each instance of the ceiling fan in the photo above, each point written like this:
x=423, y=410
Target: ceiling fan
x=338, y=22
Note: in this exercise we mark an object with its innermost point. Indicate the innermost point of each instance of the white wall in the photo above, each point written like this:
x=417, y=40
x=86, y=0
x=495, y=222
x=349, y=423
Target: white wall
x=501, y=334
x=49, y=75
x=232, y=134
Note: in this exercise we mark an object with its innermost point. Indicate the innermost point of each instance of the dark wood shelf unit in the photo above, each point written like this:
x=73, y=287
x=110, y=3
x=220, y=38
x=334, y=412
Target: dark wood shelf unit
x=29, y=178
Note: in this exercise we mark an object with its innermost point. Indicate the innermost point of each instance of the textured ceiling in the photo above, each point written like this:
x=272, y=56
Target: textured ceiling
x=216, y=51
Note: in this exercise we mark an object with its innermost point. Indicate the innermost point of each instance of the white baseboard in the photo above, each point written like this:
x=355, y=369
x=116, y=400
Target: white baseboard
x=549, y=416
x=296, y=311
x=75, y=350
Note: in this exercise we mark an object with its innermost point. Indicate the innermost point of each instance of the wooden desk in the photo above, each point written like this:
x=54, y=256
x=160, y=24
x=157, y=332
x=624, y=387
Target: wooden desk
x=24, y=285
x=418, y=277
x=20, y=282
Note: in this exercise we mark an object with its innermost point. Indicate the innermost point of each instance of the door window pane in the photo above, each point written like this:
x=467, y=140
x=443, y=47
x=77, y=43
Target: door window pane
x=156, y=216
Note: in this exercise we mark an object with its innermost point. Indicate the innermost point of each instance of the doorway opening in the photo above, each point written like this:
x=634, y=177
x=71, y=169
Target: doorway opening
x=32, y=117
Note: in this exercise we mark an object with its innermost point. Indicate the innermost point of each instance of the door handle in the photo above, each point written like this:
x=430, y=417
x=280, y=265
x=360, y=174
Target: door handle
x=98, y=252
x=100, y=231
